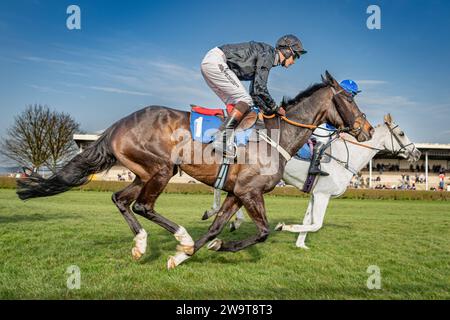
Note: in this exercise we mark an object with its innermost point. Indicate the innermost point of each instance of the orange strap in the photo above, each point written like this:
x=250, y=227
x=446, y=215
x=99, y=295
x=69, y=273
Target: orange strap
x=294, y=123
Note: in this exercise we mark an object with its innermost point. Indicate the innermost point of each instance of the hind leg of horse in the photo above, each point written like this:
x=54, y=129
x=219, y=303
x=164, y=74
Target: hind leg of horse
x=296, y=228
x=307, y=220
x=313, y=220
x=123, y=200
x=254, y=203
x=226, y=211
x=144, y=206
x=319, y=208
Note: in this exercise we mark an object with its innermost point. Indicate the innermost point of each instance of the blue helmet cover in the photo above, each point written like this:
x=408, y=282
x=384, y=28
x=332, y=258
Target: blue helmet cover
x=350, y=86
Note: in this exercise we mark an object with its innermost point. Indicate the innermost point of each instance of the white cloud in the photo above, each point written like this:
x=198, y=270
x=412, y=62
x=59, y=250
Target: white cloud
x=392, y=101
x=44, y=60
x=47, y=89
x=175, y=71
x=120, y=91
x=370, y=82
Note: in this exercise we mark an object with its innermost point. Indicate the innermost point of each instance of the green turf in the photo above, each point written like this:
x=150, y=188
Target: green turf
x=408, y=240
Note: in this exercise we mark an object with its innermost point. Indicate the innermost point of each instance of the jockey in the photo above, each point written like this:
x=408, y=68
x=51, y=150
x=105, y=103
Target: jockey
x=224, y=67
x=351, y=87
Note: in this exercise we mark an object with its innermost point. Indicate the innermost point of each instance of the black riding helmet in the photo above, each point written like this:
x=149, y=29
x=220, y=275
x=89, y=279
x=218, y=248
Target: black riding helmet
x=289, y=44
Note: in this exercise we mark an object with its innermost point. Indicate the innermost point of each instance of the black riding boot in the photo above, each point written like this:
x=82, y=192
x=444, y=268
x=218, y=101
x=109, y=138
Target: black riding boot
x=314, y=168
x=225, y=137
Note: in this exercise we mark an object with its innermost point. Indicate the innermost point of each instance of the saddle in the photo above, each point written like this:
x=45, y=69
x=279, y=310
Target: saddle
x=204, y=123
x=248, y=122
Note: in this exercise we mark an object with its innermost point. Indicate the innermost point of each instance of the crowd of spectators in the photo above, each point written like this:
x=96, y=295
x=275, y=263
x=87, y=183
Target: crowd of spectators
x=389, y=167
x=405, y=182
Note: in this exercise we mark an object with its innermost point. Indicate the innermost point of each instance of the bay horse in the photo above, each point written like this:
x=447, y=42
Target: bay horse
x=155, y=140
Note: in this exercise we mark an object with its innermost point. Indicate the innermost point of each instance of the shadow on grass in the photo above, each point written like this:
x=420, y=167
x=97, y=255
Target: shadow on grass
x=166, y=245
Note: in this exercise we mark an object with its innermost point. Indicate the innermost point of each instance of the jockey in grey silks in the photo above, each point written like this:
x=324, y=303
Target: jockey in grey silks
x=224, y=67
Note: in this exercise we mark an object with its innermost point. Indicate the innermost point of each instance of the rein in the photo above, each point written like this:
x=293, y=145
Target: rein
x=294, y=123
x=360, y=144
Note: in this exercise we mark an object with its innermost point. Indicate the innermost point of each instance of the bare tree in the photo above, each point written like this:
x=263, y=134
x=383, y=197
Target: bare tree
x=40, y=137
x=59, y=143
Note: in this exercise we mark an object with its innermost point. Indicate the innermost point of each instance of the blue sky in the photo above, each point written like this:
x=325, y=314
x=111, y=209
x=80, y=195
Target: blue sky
x=131, y=54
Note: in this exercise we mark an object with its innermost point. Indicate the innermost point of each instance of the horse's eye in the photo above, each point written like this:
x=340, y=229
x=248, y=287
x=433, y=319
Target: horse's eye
x=402, y=134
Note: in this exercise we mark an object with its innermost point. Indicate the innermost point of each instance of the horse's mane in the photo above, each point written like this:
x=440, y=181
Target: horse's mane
x=303, y=94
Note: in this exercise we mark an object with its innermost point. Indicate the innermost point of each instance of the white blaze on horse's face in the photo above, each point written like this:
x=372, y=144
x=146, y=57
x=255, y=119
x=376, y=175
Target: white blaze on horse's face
x=398, y=142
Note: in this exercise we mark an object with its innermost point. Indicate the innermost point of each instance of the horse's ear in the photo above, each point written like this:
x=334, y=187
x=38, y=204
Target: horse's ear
x=325, y=81
x=388, y=118
x=331, y=80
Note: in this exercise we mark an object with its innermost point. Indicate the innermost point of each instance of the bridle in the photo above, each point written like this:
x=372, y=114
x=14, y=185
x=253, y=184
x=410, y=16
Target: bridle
x=360, y=119
x=394, y=136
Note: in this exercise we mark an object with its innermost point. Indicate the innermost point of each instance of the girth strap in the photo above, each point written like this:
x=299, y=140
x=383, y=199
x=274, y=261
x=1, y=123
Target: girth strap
x=276, y=145
x=223, y=174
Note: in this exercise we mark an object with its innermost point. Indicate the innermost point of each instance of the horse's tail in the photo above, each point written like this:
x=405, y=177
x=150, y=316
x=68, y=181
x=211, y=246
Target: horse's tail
x=95, y=158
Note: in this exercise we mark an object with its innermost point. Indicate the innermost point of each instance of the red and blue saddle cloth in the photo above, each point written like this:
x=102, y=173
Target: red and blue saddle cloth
x=205, y=122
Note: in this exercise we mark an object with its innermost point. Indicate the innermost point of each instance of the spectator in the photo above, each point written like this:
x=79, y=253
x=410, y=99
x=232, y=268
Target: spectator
x=422, y=178
x=441, y=181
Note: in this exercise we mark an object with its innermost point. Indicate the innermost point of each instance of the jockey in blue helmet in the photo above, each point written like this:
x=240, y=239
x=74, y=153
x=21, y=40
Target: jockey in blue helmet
x=350, y=86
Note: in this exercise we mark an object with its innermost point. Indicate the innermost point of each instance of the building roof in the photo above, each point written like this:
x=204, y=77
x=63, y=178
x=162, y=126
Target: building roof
x=86, y=137
x=439, y=146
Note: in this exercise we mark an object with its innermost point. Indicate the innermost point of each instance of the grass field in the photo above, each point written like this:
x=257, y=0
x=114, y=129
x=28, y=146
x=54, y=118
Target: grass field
x=408, y=240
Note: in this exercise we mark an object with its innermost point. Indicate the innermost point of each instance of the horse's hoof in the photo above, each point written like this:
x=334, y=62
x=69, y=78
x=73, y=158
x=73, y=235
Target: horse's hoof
x=205, y=215
x=140, y=245
x=232, y=227
x=279, y=226
x=302, y=246
x=215, y=245
x=136, y=253
x=175, y=260
x=189, y=250
x=171, y=264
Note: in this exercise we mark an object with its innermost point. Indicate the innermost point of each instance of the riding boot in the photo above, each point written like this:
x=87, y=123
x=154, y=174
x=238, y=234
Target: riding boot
x=224, y=141
x=314, y=168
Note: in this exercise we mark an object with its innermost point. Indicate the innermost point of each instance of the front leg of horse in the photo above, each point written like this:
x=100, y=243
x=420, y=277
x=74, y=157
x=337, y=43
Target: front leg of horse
x=254, y=203
x=229, y=207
